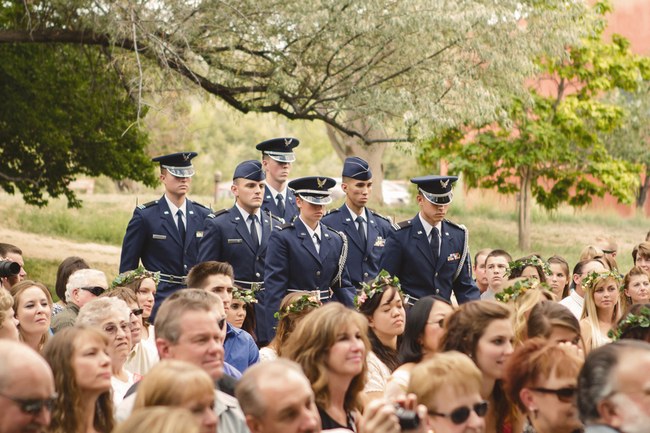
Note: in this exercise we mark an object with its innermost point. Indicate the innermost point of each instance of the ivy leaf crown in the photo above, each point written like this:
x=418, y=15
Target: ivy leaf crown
x=375, y=286
x=298, y=306
x=523, y=263
x=244, y=295
x=519, y=288
x=631, y=321
x=137, y=274
x=593, y=278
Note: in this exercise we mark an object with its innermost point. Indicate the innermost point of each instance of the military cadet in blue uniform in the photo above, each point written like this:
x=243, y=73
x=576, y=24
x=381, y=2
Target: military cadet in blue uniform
x=306, y=254
x=240, y=235
x=164, y=234
x=365, y=229
x=277, y=157
x=428, y=253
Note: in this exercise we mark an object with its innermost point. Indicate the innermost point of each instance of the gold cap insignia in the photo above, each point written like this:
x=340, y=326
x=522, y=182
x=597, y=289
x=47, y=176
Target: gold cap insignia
x=320, y=182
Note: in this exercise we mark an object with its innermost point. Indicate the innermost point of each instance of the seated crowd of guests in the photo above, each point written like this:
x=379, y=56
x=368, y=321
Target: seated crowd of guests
x=545, y=350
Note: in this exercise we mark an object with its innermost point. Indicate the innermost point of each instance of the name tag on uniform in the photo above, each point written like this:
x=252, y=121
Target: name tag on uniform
x=235, y=241
x=199, y=234
x=155, y=236
x=453, y=256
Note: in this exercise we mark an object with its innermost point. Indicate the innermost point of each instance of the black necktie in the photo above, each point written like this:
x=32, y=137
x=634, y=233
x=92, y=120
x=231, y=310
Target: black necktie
x=254, y=236
x=362, y=233
x=317, y=243
x=181, y=226
x=280, y=205
x=435, y=244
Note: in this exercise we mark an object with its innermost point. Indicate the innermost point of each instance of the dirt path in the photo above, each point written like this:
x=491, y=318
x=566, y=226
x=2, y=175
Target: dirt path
x=49, y=248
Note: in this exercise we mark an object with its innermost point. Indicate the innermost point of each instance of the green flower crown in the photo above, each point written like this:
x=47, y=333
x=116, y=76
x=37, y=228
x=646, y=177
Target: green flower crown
x=594, y=277
x=297, y=306
x=524, y=263
x=137, y=274
x=631, y=321
x=377, y=285
x=246, y=296
x=519, y=288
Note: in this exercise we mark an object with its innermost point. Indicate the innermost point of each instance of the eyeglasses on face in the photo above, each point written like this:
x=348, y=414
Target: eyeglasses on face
x=33, y=406
x=95, y=290
x=461, y=414
x=566, y=395
x=221, y=322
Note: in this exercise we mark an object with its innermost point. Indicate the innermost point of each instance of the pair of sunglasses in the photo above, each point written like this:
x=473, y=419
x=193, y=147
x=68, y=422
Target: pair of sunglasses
x=96, y=290
x=566, y=395
x=461, y=414
x=137, y=311
x=221, y=322
x=33, y=406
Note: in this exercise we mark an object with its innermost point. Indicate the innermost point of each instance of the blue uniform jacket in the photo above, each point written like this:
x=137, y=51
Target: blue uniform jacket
x=290, y=208
x=292, y=263
x=152, y=237
x=408, y=255
x=363, y=260
x=227, y=239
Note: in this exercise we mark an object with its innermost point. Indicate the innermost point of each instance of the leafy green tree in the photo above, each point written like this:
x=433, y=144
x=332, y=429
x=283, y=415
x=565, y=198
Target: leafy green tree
x=64, y=113
x=552, y=149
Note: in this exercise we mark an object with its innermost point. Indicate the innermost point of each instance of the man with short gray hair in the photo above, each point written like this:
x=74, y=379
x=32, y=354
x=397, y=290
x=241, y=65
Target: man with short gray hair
x=83, y=286
x=26, y=389
x=614, y=388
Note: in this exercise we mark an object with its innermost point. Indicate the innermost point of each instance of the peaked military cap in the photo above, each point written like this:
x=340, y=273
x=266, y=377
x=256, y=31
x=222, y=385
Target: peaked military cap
x=251, y=170
x=436, y=189
x=178, y=164
x=356, y=168
x=314, y=189
x=279, y=149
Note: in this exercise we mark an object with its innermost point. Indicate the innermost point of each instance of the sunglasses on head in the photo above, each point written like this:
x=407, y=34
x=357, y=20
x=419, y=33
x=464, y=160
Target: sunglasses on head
x=96, y=290
x=461, y=414
x=566, y=395
x=33, y=406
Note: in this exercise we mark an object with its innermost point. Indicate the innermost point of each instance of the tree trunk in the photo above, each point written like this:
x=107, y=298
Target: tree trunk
x=525, y=203
x=345, y=146
x=643, y=190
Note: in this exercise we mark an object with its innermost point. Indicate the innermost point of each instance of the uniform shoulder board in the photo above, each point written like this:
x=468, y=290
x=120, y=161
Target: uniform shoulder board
x=201, y=205
x=146, y=205
x=404, y=224
x=285, y=226
x=460, y=226
x=333, y=210
x=217, y=213
x=390, y=221
x=275, y=217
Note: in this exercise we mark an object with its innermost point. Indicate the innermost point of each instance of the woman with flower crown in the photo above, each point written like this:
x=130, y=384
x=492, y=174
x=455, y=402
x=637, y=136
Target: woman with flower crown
x=529, y=267
x=380, y=300
x=602, y=308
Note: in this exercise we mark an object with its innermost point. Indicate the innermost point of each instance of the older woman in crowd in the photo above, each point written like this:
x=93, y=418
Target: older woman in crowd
x=331, y=345
x=483, y=331
x=541, y=379
x=449, y=384
x=33, y=309
x=421, y=339
x=82, y=376
x=381, y=302
x=636, y=288
x=180, y=384
x=293, y=308
x=8, y=321
x=67, y=267
x=601, y=309
x=112, y=317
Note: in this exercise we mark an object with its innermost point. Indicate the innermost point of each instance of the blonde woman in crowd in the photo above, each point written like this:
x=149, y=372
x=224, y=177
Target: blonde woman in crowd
x=483, y=331
x=33, y=309
x=602, y=308
x=293, y=308
x=331, y=344
x=82, y=377
x=180, y=384
x=112, y=317
x=159, y=420
x=8, y=321
x=636, y=288
x=449, y=384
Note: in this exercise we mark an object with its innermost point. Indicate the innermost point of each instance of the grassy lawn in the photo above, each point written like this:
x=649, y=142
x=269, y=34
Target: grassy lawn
x=491, y=220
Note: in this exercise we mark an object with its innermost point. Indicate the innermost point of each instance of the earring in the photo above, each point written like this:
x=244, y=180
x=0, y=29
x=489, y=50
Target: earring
x=534, y=411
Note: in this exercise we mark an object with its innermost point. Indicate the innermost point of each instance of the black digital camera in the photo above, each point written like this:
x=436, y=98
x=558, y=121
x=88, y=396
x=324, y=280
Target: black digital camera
x=9, y=269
